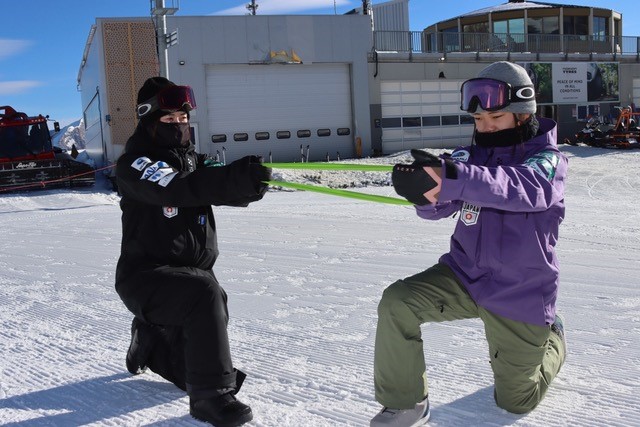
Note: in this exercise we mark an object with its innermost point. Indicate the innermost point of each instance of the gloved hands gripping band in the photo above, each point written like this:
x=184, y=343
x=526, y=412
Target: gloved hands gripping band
x=420, y=182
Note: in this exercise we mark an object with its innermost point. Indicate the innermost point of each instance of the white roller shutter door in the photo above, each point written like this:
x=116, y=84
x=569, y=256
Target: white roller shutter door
x=422, y=114
x=253, y=108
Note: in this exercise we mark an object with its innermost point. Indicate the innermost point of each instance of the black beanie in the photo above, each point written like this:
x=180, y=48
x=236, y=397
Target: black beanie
x=148, y=90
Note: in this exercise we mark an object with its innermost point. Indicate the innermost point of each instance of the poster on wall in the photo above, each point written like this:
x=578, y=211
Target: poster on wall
x=574, y=82
x=569, y=83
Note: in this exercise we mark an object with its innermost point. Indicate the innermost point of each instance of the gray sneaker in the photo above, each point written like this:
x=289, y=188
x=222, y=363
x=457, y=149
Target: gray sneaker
x=418, y=416
x=558, y=328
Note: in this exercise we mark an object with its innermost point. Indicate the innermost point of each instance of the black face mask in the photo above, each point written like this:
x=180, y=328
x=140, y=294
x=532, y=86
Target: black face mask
x=508, y=137
x=172, y=135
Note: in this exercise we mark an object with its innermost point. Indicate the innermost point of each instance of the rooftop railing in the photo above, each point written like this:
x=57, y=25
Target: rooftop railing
x=418, y=41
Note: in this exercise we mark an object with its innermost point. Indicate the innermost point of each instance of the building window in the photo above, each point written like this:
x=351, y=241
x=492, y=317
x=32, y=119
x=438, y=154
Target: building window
x=219, y=138
x=344, y=131
x=600, y=29
x=283, y=134
x=508, y=35
x=242, y=136
x=509, y=26
x=430, y=121
x=480, y=27
x=430, y=40
x=390, y=122
x=576, y=25
x=544, y=25
x=261, y=136
x=324, y=132
x=411, y=122
x=466, y=119
x=304, y=133
x=450, y=120
x=450, y=40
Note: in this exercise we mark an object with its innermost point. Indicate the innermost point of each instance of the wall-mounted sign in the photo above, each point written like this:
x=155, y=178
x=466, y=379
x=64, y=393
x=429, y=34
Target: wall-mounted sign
x=574, y=82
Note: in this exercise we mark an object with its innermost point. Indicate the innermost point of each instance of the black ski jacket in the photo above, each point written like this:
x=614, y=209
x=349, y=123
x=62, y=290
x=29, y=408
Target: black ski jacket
x=167, y=195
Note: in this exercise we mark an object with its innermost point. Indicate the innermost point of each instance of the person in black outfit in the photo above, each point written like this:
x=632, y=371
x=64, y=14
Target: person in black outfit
x=164, y=275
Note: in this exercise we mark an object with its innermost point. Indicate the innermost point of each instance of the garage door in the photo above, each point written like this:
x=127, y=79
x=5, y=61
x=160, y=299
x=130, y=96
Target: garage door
x=282, y=112
x=422, y=114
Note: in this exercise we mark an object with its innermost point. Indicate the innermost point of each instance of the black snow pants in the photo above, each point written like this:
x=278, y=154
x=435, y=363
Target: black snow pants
x=187, y=310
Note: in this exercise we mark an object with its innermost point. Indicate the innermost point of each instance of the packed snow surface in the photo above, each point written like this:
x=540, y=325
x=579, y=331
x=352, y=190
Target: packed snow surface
x=304, y=273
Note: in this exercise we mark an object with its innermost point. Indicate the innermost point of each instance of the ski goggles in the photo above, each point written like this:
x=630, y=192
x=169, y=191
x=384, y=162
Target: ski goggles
x=171, y=98
x=492, y=95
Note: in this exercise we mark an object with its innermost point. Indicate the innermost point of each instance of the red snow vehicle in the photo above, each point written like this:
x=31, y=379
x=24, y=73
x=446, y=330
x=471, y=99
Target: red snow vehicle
x=28, y=159
x=625, y=133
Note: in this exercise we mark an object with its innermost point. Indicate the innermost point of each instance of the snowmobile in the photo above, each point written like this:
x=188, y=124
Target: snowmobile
x=591, y=134
x=626, y=133
x=28, y=159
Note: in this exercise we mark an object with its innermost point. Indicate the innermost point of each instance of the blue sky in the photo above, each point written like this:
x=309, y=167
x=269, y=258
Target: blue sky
x=41, y=41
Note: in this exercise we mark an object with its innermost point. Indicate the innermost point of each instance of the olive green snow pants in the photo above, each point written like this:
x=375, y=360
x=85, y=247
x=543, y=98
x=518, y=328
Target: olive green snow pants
x=524, y=358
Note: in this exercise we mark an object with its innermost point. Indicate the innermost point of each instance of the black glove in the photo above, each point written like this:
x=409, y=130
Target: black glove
x=420, y=181
x=249, y=175
x=259, y=174
x=422, y=158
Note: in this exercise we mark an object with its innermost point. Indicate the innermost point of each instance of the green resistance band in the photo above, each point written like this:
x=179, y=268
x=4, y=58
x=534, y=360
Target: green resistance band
x=341, y=193
x=322, y=166
x=332, y=191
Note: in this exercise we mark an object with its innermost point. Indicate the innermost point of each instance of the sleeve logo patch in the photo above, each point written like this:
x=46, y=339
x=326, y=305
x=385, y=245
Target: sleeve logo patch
x=460, y=155
x=544, y=164
x=140, y=163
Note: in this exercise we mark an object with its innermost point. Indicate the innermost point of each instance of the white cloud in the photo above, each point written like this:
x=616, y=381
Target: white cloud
x=10, y=47
x=270, y=7
x=17, y=86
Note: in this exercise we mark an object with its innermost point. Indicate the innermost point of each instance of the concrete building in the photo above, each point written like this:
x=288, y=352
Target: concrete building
x=267, y=85
x=577, y=56
x=292, y=88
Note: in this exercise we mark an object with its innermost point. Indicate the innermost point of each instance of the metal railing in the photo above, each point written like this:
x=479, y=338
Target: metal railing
x=418, y=41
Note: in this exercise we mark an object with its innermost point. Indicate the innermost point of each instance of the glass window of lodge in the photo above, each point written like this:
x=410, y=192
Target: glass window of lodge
x=450, y=39
x=600, y=29
x=543, y=25
x=509, y=26
x=480, y=27
x=576, y=25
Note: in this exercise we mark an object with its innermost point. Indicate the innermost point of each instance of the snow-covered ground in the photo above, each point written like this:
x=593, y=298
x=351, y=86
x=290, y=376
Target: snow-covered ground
x=304, y=273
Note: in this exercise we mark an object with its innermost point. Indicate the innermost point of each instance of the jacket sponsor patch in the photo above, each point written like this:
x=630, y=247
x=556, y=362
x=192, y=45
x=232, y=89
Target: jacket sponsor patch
x=140, y=163
x=165, y=180
x=170, y=211
x=160, y=173
x=469, y=214
x=460, y=155
x=150, y=170
x=544, y=163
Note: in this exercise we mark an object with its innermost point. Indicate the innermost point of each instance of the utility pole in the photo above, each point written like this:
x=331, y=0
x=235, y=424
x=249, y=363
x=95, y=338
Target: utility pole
x=252, y=7
x=366, y=8
x=163, y=40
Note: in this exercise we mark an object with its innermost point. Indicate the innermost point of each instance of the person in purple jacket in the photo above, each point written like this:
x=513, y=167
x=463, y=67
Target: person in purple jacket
x=507, y=191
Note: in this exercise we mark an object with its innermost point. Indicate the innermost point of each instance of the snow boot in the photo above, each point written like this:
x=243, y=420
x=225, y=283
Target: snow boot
x=558, y=328
x=221, y=411
x=140, y=347
x=418, y=416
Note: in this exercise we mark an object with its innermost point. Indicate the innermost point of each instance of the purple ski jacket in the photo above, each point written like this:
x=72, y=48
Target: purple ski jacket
x=510, y=203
